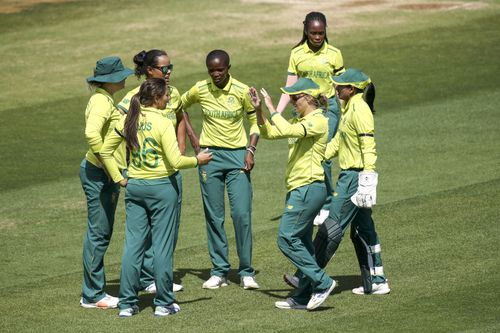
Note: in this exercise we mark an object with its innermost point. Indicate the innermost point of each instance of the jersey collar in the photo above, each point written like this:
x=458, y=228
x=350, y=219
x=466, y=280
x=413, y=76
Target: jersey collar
x=323, y=49
x=105, y=93
x=353, y=100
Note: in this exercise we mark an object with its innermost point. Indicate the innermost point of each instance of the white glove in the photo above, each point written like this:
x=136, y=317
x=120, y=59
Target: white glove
x=366, y=195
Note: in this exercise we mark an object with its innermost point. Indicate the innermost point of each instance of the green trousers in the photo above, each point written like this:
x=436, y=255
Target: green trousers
x=363, y=233
x=333, y=115
x=102, y=197
x=147, y=274
x=295, y=238
x=152, y=210
x=225, y=170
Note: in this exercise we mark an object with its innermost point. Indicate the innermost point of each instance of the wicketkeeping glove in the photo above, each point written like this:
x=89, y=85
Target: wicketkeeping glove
x=366, y=195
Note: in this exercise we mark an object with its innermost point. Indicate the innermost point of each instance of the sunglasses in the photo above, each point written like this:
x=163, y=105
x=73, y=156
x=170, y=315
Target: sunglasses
x=165, y=69
x=295, y=98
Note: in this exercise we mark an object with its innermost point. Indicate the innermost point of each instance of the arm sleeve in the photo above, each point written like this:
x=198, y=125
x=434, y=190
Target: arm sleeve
x=250, y=113
x=365, y=129
x=332, y=148
x=111, y=143
x=292, y=67
x=190, y=97
x=312, y=126
x=339, y=64
x=171, y=150
x=100, y=110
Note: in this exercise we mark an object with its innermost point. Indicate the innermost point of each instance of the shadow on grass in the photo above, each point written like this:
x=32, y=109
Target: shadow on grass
x=344, y=283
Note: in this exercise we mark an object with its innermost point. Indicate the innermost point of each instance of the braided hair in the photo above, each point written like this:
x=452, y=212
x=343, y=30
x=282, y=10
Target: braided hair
x=312, y=16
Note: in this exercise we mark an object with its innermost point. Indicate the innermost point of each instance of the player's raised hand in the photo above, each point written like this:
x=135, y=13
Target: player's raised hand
x=254, y=97
x=268, y=100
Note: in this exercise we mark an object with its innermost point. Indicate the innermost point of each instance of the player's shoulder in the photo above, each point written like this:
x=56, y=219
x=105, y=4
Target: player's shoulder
x=173, y=91
x=238, y=85
x=297, y=50
x=333, y=49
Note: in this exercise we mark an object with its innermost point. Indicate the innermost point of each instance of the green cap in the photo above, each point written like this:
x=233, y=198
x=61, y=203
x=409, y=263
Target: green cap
x=302, y=86
x=111, y=70
x=352, y=77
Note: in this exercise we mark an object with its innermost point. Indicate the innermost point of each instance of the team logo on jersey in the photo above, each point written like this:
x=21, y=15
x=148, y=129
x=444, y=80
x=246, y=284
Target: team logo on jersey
x=231, y=100
x=324, y=60
x=204, y=176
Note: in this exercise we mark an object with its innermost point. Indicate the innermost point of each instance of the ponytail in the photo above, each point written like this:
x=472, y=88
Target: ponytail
x=369, y=96
x=131, y=123
x=150, y=90
x=143, y=60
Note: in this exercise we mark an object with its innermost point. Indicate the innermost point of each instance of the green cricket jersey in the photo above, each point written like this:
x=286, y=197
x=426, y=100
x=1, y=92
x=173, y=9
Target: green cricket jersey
x=319, y=66
x=223, y=112
x=158, y=155
x=101, y=116
x=354, y=142
x=173, y=106
x=307, y=137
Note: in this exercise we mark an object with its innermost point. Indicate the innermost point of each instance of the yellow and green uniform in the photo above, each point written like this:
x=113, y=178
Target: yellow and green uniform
x=101, y=194
x=307, y=138
x=151, y=202
x=320, y=67
x=223, y=111
x=173, y=107
x=354, y=144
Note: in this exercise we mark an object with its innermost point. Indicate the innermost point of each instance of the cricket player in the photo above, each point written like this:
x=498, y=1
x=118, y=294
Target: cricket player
x=225, y=103
x=156, y=64
x=102, y=194
x=151, y=196
x=307, y=137
x=314, y=58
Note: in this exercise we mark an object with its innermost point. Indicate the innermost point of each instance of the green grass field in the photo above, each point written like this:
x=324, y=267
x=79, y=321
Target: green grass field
x=435, y=64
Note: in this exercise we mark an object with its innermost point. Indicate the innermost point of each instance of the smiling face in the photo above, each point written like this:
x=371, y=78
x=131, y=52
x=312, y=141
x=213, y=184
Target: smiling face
x=316, y=33
x=218, y=70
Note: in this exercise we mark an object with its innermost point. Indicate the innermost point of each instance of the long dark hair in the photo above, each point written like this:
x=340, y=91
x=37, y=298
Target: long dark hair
x=150, y=90
x=369, y=96
x=145, y=59
x=312, y=16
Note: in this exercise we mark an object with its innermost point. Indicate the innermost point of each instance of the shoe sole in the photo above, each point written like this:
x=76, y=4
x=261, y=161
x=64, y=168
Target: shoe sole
x=316, y=305
x=302, y=307
x=217, y=287
x=96, y=306
x=378, y=292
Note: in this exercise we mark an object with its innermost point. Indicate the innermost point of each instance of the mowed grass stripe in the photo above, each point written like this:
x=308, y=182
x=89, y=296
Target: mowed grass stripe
x=431, y=278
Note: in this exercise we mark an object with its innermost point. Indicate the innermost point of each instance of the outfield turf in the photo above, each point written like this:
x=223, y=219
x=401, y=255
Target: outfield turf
x=435, y=65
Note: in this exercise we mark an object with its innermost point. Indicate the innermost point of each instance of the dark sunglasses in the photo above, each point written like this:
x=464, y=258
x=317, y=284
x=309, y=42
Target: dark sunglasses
x=165, y=69
x=295, y=98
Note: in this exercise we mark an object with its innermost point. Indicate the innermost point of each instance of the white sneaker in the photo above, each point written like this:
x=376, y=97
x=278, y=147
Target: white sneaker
x=288, y=304
x=151, y=289
x=321, y=217
x=377, y=289
x=291, y=280
x=108, y=302
x=248, y=282
x=215, y=282
x=318, y=298
x=129, y=312
x=162, y=311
